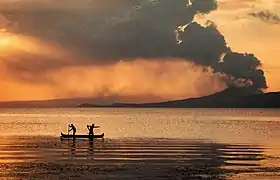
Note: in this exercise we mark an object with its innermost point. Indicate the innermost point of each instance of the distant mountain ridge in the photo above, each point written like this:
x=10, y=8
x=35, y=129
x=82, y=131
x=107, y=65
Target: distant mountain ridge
x=229, y=98
x=225, y=99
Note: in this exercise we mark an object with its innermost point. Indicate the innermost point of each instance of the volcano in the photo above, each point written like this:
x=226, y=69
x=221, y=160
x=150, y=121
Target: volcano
x=229, y=98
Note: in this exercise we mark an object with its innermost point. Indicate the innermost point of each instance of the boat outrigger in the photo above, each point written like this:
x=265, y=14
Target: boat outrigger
x=81, y=136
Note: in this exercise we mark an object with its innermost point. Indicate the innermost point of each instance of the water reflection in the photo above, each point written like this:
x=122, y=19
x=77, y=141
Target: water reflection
x=72, y=148
x=130, y=159
x=159, y=158
x=83, y=151
x=90, y=150
x=223, y=125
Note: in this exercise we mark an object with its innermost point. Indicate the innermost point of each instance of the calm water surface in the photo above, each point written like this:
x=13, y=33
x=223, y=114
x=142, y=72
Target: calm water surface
x=141, y=143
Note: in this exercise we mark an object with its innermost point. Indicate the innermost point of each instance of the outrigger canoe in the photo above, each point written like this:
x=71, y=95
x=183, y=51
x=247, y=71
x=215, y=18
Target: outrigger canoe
x=70, y=136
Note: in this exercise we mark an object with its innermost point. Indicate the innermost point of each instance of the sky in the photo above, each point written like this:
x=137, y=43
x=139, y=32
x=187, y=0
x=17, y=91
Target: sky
x=137, y=50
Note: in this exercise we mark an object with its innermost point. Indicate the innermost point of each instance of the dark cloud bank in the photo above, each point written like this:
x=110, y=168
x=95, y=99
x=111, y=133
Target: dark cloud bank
x=138, y=29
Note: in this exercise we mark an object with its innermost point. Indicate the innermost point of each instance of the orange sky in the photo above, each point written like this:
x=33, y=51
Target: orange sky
x=173, y=79
x=153, y=80
x=248, y=34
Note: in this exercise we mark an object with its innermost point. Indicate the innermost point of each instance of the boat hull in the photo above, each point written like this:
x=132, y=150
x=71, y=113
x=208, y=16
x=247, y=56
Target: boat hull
x=81, y=136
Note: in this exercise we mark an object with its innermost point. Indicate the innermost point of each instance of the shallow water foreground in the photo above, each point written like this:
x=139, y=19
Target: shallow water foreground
x=141, y=144
x=50, y=158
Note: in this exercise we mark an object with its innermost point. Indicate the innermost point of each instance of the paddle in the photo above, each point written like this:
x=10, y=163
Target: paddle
x=68, y=133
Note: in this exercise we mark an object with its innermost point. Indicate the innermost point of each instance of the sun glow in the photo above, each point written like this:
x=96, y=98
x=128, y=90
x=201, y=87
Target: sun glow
x=11, y=44
x=6, y=40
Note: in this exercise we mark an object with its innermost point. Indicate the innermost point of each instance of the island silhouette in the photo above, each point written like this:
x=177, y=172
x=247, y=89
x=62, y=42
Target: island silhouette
x=229, y=98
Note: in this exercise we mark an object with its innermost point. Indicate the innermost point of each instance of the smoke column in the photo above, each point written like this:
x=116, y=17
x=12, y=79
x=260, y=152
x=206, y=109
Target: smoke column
x=98, y=34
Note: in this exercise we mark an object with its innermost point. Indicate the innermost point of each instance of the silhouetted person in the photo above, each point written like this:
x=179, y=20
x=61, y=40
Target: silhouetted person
x=72, y=128
x=90, y=129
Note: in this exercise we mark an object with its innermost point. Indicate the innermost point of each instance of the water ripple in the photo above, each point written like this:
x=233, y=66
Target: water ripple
x=43, y=158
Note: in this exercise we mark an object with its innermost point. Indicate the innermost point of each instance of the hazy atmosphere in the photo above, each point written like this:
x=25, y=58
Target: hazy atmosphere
x=139, y=89
x=137, y=50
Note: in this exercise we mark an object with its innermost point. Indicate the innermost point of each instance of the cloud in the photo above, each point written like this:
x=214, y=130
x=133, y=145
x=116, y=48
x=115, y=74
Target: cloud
x=243, y=69
x=101, y=33
x=266, y=16
x=143, y=80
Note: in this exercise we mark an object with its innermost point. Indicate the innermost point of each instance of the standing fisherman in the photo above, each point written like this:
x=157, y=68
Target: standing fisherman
x=90, y=129
x=72, y=128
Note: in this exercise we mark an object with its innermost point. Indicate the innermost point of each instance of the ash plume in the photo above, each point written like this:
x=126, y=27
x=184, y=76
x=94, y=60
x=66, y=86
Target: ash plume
x=244, y=70
x=135, y=29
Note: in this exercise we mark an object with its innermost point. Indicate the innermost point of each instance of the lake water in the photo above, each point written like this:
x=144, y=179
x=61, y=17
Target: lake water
x=141, y=143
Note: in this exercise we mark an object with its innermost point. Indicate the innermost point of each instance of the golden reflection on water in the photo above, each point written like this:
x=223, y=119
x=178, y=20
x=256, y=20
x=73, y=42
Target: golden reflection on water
x=159, y=156
x=155, y=143
x=223, y=125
